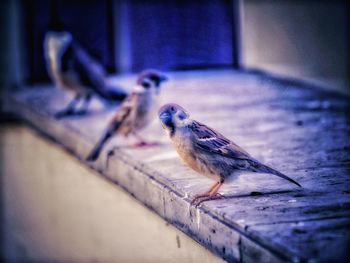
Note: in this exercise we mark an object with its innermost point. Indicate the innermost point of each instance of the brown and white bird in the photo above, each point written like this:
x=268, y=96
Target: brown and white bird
x=72, y=69
x=135, y=112
x=208, y=152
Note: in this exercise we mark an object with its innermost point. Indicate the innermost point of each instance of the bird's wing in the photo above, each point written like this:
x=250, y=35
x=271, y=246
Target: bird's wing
x=90, y=71
x=209, y=140
x=126, y=114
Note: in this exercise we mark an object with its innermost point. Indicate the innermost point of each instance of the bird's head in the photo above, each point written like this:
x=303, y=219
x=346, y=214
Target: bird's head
x=151, y=79
x=56, y=43
x=173, y=116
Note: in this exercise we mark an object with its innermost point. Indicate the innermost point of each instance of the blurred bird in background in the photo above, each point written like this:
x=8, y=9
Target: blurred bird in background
x=136, y=111
x=208, y=152
x=73, y=69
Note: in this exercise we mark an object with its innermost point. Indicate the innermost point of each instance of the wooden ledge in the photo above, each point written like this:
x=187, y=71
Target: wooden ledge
x=298, y=130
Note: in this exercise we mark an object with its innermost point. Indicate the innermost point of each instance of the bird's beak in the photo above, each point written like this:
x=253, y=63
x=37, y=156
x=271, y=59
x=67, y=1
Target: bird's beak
x=164, y=117
x=163, y=78
x=167, y=122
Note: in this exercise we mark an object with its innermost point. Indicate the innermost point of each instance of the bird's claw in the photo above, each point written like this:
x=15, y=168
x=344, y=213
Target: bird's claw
x=198, y=199
x=145, y=144
x=70, y=112
x=81, y=112
x=63, y=113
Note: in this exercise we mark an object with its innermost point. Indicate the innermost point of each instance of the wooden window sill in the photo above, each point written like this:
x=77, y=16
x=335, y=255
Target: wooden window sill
x=298, y=130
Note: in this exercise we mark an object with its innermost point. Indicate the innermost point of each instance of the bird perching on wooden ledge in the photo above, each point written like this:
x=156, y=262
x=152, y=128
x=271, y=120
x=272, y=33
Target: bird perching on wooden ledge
x=72, y=69
x=136, y=111
x=208, y=152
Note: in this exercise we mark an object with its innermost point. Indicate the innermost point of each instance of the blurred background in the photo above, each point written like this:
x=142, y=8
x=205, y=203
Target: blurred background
x=299, y=39
x=58, y=212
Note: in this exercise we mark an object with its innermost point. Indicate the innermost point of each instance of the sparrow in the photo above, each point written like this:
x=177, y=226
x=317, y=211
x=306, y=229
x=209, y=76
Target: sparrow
x=208, y=152
x=135, y=112
x=72, y=69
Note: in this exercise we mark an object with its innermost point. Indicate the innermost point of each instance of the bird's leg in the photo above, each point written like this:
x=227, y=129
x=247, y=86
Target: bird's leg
x=211, y=194
x=142, y=142
x=85, y=105
x=207, y=193
x=69, y=110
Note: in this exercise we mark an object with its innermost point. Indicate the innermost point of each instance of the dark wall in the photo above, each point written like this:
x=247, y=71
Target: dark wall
x=90, y=22
x=181, y=34
x=168, y=34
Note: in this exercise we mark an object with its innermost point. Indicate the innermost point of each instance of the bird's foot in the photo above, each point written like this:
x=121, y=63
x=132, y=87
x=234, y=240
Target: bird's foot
x=198, y=199
x=69, y=113
x=80, y=112
x=64, y=113
x=145, y=144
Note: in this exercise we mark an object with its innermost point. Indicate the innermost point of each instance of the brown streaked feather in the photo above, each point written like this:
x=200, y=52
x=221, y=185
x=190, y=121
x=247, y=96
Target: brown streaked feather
x=121, y=123
x=206, y=139
x=125, y=116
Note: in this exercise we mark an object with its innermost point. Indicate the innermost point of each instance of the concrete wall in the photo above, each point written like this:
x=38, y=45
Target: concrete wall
x=57, y=209
x=300, y=39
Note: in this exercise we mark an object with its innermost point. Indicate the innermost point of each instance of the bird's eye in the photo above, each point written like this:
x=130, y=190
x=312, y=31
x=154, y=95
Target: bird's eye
x=172, y=109
x=182, y=115
x=146, y=85
x=154, y=78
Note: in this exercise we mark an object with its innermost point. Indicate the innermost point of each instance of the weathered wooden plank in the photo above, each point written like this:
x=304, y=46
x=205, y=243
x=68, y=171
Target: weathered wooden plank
x=297, y=130
x=275, y=208
x=327, y=239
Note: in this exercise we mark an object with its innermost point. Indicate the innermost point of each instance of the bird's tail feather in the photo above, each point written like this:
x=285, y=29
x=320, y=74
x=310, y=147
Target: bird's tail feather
x=94, y=154
x=96, y=76
x=112, y=93
x=266, y=169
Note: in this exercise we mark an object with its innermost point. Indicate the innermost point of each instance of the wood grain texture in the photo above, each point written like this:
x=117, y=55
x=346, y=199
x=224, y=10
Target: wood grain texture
x=298, y=130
